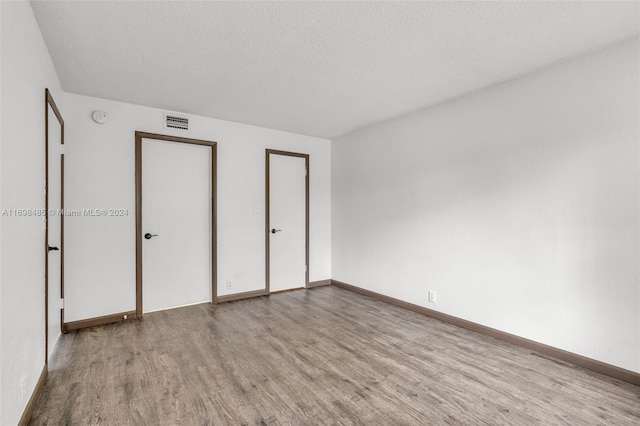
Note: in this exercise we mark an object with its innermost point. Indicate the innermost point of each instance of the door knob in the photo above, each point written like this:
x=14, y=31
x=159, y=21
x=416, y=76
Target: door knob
x=274, y=230
x=53, y=248
x=148, y=236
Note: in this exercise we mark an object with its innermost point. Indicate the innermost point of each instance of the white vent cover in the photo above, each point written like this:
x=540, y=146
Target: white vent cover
x=172, y=121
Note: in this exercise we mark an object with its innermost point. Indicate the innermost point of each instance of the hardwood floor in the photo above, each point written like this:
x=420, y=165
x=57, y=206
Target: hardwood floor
x=323, y=356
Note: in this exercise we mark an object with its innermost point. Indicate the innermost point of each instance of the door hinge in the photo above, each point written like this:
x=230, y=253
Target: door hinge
x=61, y=303
x=62, y=149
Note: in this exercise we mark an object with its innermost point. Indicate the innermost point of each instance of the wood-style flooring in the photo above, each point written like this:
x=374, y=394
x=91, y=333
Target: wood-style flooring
x=325, y=356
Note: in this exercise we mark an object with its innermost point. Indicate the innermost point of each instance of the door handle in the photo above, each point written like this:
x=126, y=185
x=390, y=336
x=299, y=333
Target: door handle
x=53, y=248
x=274, y=230
x=148, y=236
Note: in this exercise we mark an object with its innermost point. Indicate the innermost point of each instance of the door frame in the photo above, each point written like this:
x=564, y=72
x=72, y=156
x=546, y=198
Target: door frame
x=214, y=230
x=268, y=152
x=50, y=102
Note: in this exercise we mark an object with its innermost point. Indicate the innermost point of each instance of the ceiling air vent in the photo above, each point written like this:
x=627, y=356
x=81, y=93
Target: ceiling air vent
x=175, y=122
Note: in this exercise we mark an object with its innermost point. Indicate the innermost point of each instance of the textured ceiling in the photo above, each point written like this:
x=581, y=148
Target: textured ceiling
x=316, y=68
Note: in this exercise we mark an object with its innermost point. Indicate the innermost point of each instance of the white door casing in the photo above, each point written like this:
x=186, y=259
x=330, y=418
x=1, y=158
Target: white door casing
x=176, y=205
x=287, y=221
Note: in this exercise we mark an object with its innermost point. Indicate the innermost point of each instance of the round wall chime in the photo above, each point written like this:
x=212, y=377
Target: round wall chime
x=100, y=117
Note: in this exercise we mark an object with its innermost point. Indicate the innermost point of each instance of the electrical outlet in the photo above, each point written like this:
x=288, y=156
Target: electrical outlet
x=229, y=284
x=432, y=296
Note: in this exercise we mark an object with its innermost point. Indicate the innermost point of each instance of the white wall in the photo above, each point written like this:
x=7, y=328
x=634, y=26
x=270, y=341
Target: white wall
x=100, y=252
x=26, y=71
x=1, y=204
x=517, y=204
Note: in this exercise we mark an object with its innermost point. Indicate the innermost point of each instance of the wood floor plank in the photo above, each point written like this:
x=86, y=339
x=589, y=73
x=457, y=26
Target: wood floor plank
x=325, y=356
